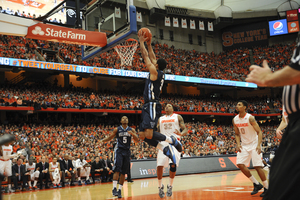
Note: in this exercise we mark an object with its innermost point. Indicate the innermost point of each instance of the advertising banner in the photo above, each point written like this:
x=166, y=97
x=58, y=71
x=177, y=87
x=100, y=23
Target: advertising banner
x=278, y=27
x=192, y=165
x=54, y=33
x=115, y=72
x=292, y=15
x=245, y=36
x=293, y=27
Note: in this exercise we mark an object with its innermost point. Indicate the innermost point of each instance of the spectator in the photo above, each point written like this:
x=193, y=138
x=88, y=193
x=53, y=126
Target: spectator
x=97, y=168
x=107, y=170
x=43, y=167
x=18, y=174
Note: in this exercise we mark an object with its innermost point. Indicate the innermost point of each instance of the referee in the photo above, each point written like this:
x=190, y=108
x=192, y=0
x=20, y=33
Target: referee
x=284, y=174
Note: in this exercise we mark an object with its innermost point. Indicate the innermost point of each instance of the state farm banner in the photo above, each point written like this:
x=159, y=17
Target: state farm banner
x=54, y=33
x=248, y=35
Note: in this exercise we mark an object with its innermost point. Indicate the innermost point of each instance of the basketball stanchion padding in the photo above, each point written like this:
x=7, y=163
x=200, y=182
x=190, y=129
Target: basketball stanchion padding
x=126, y=51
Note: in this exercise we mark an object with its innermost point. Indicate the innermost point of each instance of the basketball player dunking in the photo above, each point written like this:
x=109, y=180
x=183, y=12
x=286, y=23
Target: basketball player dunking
x=169, y=124
x=247, y=130
x=151, y=110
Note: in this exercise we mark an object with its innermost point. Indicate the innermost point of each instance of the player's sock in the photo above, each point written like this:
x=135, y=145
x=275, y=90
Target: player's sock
x=78, y=178
x=253, y=180
x=34, y=183
x=171, y=180
x=266, y=184
x=115, y=184
x=151, y=142
x=160, y=146
x=160, y=137
x=9, y=186
x=120, y=187
x=29, y=183
x=160, y=183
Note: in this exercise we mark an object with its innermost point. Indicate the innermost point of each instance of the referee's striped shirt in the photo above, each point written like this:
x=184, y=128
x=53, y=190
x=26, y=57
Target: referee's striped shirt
x=291, y=93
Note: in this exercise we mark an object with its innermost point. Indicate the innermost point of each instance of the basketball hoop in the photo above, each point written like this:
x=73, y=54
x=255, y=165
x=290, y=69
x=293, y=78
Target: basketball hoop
x=126, y=51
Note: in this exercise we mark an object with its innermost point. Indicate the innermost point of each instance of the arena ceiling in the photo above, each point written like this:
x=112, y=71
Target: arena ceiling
x=236, y=9
x=235, y=5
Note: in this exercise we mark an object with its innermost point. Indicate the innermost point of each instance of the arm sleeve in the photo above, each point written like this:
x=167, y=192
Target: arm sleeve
x=295, y=61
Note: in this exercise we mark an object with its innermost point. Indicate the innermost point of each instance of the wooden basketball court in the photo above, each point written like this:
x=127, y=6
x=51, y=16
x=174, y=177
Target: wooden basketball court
x=209, y=186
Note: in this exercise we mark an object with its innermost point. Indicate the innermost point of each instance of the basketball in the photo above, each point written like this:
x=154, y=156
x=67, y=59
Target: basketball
x=147, y=33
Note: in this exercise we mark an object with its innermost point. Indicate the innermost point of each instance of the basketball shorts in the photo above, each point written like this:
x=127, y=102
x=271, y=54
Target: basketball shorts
x=56, y=174
x=5, y=166
x=122, y=161
x=248, y=152
x=34, y=175
x=163, y=160
x=85, y=171
x=151, y=112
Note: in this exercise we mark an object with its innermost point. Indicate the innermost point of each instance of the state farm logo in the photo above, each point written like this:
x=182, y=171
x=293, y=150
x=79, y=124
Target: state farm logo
x=38, y=31
x=58, y=33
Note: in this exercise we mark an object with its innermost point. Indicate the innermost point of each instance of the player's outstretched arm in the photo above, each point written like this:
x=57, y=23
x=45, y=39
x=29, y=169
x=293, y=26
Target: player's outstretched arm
x=151, y=53
x=110, y=137
x=258, y=131
x=134, y=135
x=237, y=137
x=149, y=64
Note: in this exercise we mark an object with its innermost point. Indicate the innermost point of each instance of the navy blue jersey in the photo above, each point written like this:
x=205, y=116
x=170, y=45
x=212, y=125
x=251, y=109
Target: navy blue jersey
x=123, y=138
x=153, y=88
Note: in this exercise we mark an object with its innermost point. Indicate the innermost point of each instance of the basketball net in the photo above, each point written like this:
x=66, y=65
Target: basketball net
x=126, y=51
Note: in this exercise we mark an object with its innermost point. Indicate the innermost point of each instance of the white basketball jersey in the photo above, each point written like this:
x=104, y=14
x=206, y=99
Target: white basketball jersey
x=6, y=150
x=30, y=167
x=247, y=132
x=168, y=124
x=284, y=114
x=53, y=167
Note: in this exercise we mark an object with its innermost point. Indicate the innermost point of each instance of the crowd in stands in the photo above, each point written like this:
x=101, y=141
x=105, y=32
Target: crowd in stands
x=27, y=15
x=45, y=95
x=227, y=65
x=278, y=55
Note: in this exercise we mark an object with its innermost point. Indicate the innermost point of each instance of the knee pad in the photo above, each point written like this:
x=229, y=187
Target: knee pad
x=173, y=167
